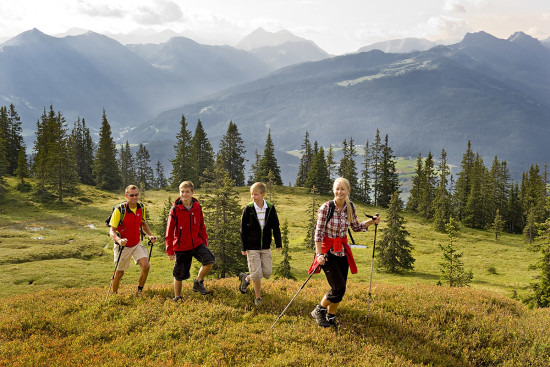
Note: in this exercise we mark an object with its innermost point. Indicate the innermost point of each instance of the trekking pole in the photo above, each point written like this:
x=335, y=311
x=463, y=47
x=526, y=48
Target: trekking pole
x=303, y=285
x=150, y=243
x=121, y=248
x=372, y=262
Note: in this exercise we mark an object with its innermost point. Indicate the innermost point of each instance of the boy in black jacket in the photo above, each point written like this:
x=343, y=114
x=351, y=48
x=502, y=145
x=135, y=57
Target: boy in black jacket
x=259, y=221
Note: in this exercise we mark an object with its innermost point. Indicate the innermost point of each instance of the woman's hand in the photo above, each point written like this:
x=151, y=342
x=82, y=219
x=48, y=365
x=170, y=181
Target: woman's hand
x=321, y=259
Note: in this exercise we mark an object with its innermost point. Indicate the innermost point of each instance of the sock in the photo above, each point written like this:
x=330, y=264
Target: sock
x=330, y=316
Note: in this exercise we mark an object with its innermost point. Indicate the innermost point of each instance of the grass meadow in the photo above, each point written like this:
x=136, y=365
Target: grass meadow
x=57, y=262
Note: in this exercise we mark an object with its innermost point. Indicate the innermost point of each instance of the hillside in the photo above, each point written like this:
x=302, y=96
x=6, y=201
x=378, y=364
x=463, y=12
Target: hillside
x=57, y=263
x=407, y=326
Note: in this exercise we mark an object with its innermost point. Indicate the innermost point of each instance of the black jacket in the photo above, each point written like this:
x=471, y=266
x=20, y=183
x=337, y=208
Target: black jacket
x=252, y=235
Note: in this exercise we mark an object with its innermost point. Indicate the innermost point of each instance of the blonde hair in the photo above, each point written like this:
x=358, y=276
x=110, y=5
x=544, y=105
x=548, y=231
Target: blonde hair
x=258, y=186
x=187, y=184
x=347, y=186
x=130, y=187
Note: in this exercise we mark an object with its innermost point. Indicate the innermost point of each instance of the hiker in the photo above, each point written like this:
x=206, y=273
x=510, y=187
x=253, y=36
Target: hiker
x=186, y=238
x=332, y=251
x=126, y=224
x=258, y=223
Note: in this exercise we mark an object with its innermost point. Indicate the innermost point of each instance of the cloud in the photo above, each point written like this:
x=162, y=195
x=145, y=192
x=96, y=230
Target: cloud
x=160, y=12
x=100, y=10
x=454, y=6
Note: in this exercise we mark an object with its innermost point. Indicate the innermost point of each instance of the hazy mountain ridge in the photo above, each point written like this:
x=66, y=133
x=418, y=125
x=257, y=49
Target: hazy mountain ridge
x=425, y=101
x=404, y=45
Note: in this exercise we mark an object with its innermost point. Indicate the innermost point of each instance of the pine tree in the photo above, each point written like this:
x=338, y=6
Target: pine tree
x=160, y=180
x=144, y=172
x=318, y=175
x=3, y=157
x=127, y=166
x=331, y=163
x=222, y=216
x=394, y=251
x=309, y=241
x=267, y=163
x=377, y=152
x=232, y=153
x=202, y=156
x=540, y=296
x=452, y=267
x=463, y=183
x=530, y=230
x=514, y=221
x=83, y=150
x=417, y=184
x=182, y=164
x=442, y=201
x=105, y=168
x=11, y=133
x=347, y=167
x=365, y=187
x=476, y=212
x=389, y=179
x=60, y=176
x=41, y=145
x=500, y=189
x=306, y=162
x=254, y=168
x=284, y=269
x=498, y=224
x=533, y=193
x=427, y=190
x=22, y=171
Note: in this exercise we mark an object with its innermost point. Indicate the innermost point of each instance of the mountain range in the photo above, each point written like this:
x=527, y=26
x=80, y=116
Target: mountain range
x=490, y=91
x=493, y=92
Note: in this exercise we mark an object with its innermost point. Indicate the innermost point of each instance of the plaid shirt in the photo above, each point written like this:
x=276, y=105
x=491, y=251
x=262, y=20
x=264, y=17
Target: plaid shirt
x=337, y=225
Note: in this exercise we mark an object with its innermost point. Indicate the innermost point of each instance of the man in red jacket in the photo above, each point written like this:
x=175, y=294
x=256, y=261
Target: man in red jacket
x=186, y=238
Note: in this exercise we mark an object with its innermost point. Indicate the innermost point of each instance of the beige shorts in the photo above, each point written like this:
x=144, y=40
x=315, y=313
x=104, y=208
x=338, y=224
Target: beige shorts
x=259, y=264
x=136, y=252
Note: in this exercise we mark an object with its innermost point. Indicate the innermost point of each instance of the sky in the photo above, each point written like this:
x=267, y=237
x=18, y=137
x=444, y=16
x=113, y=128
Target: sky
x=336, y=26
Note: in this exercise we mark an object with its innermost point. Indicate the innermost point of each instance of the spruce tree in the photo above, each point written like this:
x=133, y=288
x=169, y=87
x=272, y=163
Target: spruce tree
x=232, y=153
x=182, y=164
x=365, y=187
x=417, y=184
x=160, y=180
x=267, y=163
x=394, y=251
x=463, y=183
x=144, y=172
x=540, y=296
x=388, y=182
x=452, y=266
x=514, y=220
x=306, y=160
x=83, y=150
x=105, y=167
x=427, y=190
x=202, y=156
x=309, y=241
x=254, y=168
x=475, y=213
x=331, y=163
x=284, y=269
x=498, y=224
x=22, y=171
x=442, y=201
x=530, y=230
x=318, y=176
x=60, y=176
x=11, y=132
x=41, y=145
x=222, y=219
x=127, y=166
x=3, y=156
x=377, y=152
x=348, y=168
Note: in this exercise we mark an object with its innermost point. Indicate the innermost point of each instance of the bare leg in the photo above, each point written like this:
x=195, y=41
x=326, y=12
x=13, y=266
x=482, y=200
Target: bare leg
x=116, y=280
x=331, y=307
x=177, y=287
x=204, y=271
x=145, y=266
x=257, y=288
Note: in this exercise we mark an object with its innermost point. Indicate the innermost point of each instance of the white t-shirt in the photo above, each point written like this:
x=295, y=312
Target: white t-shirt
x=261, y=213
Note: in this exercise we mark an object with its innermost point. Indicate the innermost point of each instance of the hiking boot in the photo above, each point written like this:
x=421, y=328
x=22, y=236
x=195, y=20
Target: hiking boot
x=244, y=283
x=331, y=319
x=178, y=298
x=198, y=286
x=319, y=313
x=257, y=301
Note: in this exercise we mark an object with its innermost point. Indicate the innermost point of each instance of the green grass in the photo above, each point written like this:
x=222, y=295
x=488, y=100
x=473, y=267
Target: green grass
x=54, y=245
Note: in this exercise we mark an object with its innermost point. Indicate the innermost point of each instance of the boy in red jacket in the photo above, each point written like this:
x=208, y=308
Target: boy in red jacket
x=186, y=238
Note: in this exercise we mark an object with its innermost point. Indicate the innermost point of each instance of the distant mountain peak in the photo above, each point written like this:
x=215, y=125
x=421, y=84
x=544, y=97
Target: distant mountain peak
x=30, y=36
x=404, y=45
x=262, y=38
x=524, y=39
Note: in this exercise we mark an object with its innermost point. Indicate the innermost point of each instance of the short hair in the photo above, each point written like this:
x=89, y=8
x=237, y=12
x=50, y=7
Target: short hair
x=187, y=184
x=130, y=187
x=259, y=186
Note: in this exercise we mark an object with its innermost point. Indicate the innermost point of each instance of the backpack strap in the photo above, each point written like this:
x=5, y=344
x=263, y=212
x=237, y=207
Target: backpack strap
x=331, y=209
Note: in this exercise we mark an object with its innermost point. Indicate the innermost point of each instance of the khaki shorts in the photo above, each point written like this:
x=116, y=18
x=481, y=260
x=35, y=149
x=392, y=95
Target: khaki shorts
x=259, y=264
x=137, y=252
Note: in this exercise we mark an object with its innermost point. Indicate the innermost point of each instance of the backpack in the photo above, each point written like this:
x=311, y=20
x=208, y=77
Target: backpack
x=122, y=208
x=331, y=208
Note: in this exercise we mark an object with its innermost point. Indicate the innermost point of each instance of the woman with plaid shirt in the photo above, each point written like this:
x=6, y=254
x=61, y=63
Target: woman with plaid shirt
x=332, y=251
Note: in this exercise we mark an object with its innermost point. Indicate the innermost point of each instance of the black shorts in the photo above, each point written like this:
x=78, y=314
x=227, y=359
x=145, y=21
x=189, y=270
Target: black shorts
x=184, y=258
x=336, y=271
